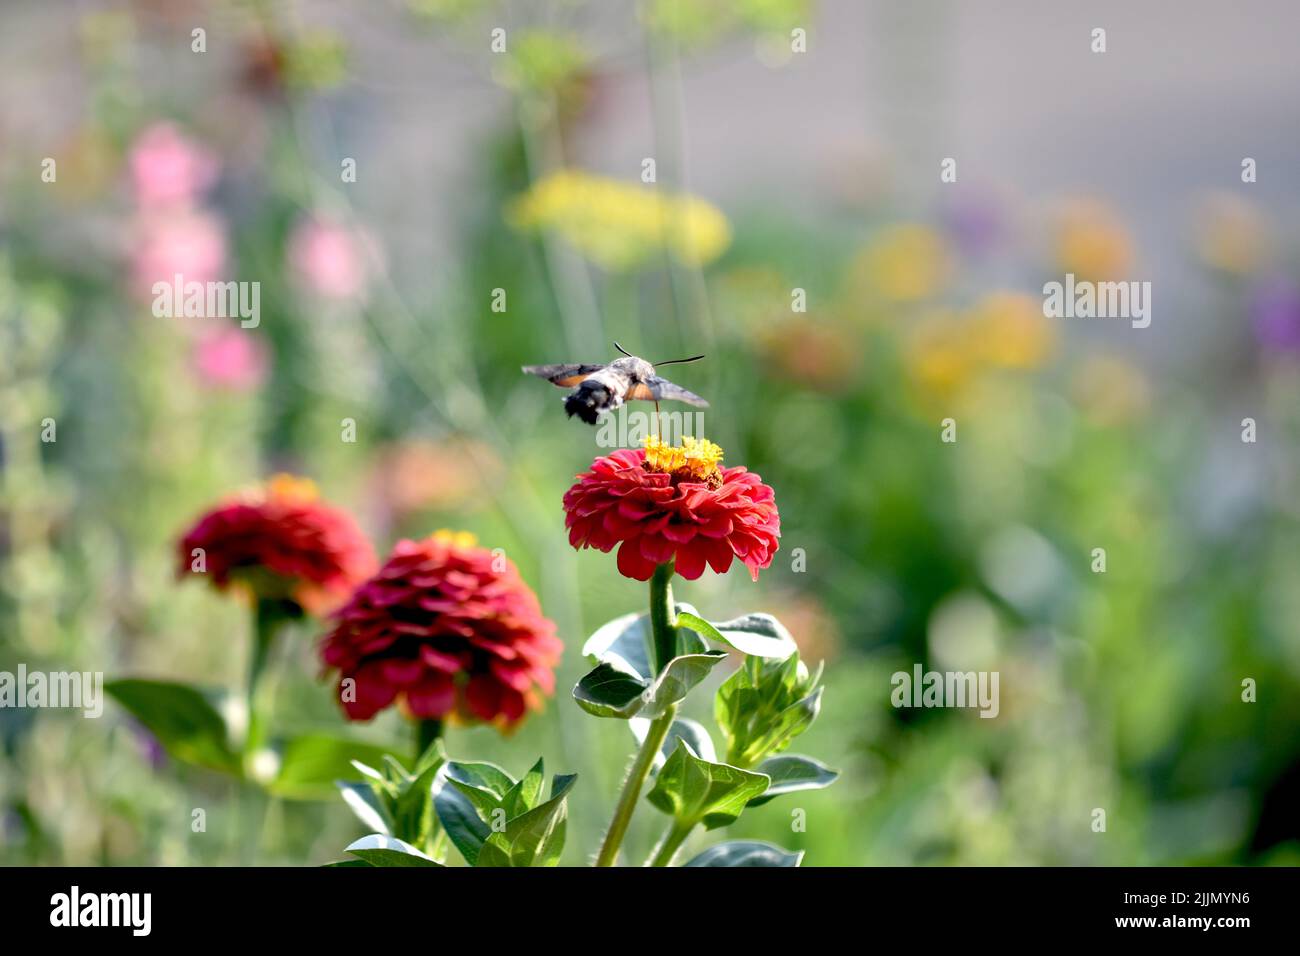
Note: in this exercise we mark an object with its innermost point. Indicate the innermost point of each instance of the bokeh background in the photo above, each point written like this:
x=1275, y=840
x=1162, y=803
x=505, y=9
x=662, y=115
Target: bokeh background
x=1120, y=690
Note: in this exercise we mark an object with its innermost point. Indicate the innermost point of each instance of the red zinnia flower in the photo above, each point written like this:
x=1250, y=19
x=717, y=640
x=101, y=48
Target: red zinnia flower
x=280, y=542
x=673, y=504
x=450, y=629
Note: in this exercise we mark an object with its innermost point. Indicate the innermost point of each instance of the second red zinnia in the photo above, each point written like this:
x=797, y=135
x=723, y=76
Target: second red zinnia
x=444, y=628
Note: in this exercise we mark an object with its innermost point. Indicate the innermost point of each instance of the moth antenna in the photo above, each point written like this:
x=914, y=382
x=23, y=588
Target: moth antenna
x=693, y=358
x=623, y=350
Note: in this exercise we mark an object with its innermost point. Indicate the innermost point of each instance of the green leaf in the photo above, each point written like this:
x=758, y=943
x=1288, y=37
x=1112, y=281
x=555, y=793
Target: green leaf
x=764, y=705
x=383, y=787
x=485, y=776
x=682, y=728
x=535, y=838
x=484, y=801
x=610, y=690
x=395, y=772
x=678, y=677
x=695, y=791
x=464, y=827
x=380, y=850
x=625, y=643
x=746, y=853
x=186, y=724
x=524, y=795
x=759, y=635
x=368, y=771
x=435, y=755
x=311, y=765
x=413, y=813
x=792, y=772
x=366, y=806
x=798, y=717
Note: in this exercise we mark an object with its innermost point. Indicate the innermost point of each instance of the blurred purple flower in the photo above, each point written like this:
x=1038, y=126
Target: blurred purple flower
x=1275, y=310
x=150, y=748
x=976, y=222
x=231, y=359
x=168, y=169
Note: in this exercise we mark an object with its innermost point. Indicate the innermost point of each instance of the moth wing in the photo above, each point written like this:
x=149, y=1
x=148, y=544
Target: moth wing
x=657, y=389
x=565, y=376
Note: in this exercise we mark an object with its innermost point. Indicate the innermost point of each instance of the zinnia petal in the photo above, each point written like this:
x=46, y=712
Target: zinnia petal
x=450, y=629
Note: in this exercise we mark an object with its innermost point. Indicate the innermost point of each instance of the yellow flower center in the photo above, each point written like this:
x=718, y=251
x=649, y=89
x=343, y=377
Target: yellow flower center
x=457, y=539
x=291, y=487
x=696, y=459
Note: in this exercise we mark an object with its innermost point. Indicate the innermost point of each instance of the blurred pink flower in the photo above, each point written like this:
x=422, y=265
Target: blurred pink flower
x=230, y=358
x=189, y=244
x=168, y=169
x=329, y=259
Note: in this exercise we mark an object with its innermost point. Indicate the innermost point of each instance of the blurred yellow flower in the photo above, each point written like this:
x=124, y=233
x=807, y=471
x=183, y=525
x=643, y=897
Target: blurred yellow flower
x=1091, y=241
x=905, y=263
x=1231, y=234
x=947, y=351
x=1008, y=329
x=937, y=354
x=618, y=225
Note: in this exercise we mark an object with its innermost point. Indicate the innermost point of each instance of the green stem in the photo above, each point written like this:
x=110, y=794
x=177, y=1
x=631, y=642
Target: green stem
x=654, y=739
x=672, y=841
x=268, y=616
x=426, y=732
x=663, y=616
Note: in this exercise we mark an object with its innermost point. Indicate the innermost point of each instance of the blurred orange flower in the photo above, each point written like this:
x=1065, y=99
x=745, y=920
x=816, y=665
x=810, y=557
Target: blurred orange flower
x=937, y=354
x=1091, y=241
x=822, y=356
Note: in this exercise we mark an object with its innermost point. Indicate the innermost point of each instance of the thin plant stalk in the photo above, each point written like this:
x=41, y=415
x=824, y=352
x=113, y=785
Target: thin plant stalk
x=663, y=628
x=631, y=792
x=670, y=844
x=426, y=732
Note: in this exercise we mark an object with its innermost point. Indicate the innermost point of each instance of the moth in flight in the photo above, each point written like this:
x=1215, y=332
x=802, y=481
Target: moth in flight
x=598, y=389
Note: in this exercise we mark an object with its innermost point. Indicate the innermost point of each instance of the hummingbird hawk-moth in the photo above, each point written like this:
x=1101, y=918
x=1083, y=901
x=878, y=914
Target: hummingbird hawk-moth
x=598, y=389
